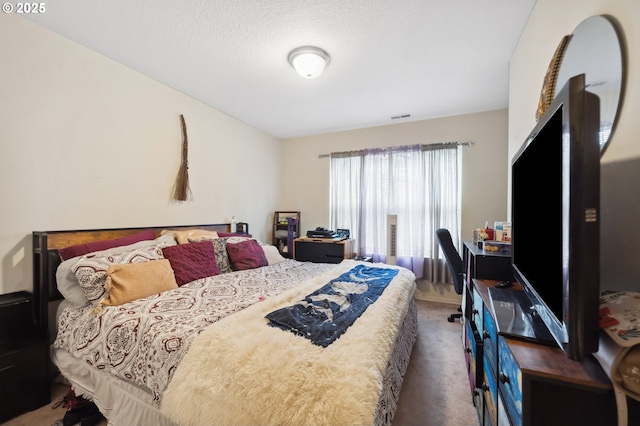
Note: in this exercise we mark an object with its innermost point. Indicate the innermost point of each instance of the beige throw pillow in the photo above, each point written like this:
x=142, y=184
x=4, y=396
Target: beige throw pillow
x=91, y=269
x=182, y=237
x=131, y=281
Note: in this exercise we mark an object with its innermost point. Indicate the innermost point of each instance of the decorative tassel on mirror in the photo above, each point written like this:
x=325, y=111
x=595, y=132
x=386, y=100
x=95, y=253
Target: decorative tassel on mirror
x=181, y=190
x=548, y=92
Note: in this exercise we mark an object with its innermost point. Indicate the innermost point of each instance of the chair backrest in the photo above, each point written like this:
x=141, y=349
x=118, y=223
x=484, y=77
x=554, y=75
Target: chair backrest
x=454, y=261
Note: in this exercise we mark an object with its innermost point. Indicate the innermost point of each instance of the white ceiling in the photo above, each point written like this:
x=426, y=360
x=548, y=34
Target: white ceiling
x=427, y=58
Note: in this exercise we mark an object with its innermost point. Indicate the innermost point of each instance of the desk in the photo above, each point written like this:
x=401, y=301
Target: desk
x=486, y=265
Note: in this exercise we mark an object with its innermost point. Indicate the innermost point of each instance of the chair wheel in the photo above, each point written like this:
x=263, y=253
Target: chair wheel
x=453, y=317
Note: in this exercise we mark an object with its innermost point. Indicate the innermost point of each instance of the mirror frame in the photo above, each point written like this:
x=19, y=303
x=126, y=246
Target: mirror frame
x=594, y=49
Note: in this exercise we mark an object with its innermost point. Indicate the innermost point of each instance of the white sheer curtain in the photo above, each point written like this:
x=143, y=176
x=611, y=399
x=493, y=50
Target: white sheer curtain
x=419, y=183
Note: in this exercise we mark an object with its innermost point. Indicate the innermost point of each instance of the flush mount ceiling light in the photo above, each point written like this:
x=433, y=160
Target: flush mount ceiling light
x=309, y=61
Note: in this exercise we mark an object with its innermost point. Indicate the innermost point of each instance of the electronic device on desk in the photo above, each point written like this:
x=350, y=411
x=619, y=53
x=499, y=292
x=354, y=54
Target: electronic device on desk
x=320, y=232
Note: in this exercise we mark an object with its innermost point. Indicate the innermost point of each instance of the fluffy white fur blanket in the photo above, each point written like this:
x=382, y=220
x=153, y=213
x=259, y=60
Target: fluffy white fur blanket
x=240, y=371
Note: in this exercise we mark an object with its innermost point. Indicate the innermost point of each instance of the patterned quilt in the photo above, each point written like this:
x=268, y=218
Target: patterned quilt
x=144, y=341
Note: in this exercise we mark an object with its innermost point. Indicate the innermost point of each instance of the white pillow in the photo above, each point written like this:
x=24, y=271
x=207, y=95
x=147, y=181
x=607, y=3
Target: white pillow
x=67, y=281
x=68, y=284
x=236, y=240
x=272, y=254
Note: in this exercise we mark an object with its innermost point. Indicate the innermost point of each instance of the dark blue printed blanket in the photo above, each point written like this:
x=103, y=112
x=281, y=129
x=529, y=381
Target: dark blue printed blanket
x=324, y=315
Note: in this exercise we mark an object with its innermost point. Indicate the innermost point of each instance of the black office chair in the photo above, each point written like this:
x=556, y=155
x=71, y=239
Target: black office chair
x=454, y=261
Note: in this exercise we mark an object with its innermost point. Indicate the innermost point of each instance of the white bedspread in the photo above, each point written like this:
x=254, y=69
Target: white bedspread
x=144, y=341
x=240, y=371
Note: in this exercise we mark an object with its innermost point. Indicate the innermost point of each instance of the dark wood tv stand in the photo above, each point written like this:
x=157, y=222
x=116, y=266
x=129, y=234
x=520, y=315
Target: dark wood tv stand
x=517, y=382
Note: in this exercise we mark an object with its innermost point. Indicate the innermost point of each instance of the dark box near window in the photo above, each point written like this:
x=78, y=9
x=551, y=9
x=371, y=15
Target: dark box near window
x=319, y=251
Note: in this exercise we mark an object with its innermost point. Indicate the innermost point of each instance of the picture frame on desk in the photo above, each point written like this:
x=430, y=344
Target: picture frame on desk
x=343, y=233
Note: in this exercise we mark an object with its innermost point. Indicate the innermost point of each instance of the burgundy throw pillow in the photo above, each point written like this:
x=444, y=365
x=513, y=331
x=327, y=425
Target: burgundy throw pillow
x=191, y=262
x=82, y=249
x=246, y=255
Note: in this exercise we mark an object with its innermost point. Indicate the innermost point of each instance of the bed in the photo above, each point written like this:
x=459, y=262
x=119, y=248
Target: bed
x=154, y=333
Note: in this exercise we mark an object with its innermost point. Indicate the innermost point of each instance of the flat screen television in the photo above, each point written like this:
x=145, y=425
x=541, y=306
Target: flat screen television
x=555, y=202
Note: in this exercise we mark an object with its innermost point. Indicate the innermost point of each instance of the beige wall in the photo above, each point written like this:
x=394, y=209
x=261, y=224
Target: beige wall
x=620, y=164
x=88, y=143
x=305, y=177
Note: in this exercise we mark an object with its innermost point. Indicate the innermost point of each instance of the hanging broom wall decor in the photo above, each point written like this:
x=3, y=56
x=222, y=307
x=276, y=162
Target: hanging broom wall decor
x=181, y=190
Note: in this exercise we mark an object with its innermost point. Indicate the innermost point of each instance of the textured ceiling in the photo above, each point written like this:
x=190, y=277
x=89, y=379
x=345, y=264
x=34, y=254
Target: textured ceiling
x=427, y=58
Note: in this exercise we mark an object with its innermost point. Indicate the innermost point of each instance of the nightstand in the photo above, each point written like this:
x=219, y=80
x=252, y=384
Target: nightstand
x=24, y=357
x=321, y=250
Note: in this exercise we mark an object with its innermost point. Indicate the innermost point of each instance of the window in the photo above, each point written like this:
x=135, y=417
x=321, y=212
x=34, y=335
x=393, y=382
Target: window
x=420, y=184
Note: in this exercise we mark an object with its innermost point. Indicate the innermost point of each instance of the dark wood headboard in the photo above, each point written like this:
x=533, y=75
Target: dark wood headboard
x=46, y=258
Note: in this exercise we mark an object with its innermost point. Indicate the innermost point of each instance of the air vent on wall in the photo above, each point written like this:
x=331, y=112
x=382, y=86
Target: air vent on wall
x=397, y=117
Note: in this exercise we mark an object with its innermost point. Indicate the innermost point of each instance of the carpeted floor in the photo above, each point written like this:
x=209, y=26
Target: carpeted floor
x=435, y=391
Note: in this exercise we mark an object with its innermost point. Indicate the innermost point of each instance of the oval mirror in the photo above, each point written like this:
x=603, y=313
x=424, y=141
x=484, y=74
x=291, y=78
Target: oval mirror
x=594, y=49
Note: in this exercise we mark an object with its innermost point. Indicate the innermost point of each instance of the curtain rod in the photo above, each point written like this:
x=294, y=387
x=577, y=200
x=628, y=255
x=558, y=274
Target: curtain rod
x=391, y=148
